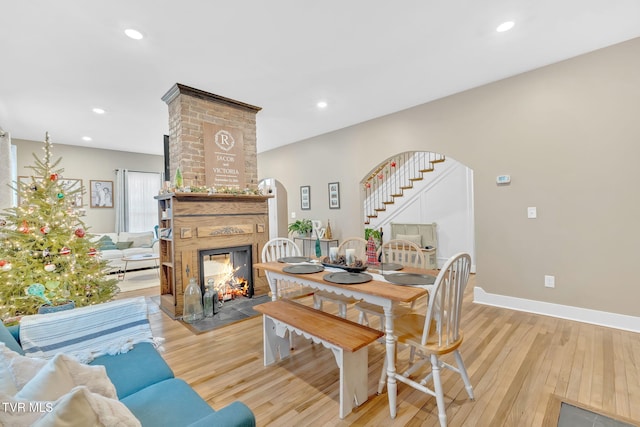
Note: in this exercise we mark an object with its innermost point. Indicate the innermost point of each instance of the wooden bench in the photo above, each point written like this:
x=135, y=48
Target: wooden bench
x=348, y=340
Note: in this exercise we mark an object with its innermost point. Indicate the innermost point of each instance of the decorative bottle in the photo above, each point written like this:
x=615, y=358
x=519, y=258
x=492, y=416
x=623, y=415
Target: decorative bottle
x=327, y=232
x=209, y=300
x=192, y=302
x=318, y=248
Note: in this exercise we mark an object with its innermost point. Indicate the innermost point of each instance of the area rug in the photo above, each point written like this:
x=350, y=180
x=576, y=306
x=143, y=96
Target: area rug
x=139, y=279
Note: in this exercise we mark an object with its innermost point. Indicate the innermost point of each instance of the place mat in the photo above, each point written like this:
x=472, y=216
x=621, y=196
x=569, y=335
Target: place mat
x=410, y=279
x=346, y=267
x=347, y=278
x=294, y=259
x=303, y=269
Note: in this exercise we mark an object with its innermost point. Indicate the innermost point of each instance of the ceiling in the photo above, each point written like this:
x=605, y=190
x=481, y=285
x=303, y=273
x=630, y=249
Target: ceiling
x=365, y=58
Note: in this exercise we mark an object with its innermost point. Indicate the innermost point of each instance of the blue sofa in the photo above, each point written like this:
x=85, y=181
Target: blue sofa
x=146, y=385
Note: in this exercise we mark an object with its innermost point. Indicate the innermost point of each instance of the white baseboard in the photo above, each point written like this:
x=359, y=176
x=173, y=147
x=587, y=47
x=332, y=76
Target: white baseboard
x=595, y=317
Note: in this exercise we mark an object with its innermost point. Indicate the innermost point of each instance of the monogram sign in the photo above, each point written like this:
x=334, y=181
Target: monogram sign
x=223, y=156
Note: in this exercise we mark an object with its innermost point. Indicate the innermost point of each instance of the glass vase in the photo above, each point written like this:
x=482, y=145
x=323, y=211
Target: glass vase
x=193, y=309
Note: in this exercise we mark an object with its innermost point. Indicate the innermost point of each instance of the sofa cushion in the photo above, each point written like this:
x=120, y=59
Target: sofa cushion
x=138, y=368
x=237, y=414
x=168, y=403
x=7, y=337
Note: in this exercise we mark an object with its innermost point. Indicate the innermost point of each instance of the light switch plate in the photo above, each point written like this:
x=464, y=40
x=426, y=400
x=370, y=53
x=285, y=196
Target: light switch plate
x=532, y=212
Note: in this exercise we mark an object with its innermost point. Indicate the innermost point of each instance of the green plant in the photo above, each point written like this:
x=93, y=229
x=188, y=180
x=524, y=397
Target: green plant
x=376, y=234
x=301, y=226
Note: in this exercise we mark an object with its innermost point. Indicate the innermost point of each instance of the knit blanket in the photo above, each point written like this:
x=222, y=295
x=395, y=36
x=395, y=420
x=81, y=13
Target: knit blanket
x=87, y=332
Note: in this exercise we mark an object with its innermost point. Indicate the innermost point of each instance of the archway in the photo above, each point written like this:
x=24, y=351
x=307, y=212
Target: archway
x=278, y=207
x=420, y=187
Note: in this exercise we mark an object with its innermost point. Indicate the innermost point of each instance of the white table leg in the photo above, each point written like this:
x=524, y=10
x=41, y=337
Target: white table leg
x=392, y=386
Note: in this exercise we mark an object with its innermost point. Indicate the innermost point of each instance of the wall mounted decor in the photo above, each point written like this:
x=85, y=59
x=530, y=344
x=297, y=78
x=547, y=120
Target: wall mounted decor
x=334, y=195
x=101, y=194
x=305, y=197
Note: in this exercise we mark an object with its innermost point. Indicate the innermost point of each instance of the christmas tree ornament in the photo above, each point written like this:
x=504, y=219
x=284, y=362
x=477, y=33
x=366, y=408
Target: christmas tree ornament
x=92, y=252
x=45, y=229
x=2, y=263
x=65, y=251
x=45, y=253
x=49, y=267
x=80, y=232
x=7, y=266
x=52, y=285
x=24, y=228
x=60, y=196
x=53, y=177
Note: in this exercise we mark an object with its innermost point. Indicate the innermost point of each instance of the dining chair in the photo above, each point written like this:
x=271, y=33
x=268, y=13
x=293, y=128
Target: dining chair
x=274, y=249
x=280, y=247
x=435, y=334
x=360, y=246
x=396, y=251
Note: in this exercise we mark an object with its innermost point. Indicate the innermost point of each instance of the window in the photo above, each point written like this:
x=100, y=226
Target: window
x=141, y=207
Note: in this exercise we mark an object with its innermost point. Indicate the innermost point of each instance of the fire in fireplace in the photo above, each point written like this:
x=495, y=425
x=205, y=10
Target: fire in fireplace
x=228, y=270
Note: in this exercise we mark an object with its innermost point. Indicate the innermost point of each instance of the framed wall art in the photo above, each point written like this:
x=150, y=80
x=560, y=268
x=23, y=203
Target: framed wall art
x=305, y=197
x=101, y=194
x=334, y=195
x=68, y=185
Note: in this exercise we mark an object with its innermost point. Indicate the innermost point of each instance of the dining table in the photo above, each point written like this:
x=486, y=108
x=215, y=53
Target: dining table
x=377, y=291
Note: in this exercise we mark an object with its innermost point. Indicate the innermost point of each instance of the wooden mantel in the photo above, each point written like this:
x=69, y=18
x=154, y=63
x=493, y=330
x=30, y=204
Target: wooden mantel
x=202, y=221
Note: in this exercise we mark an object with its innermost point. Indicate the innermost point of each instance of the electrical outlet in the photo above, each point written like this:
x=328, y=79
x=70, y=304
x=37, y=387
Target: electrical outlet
x=293, y=215
x=550, y=281
x=532, y=212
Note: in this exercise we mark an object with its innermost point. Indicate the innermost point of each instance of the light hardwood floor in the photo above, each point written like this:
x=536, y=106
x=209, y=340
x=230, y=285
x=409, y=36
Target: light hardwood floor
x=519, y=363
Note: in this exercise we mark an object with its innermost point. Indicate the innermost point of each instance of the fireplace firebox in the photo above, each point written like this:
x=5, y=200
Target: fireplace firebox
x=228, y=270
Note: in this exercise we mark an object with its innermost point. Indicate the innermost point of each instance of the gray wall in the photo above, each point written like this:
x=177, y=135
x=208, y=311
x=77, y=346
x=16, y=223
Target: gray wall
x=88, y=164
x=569, y=136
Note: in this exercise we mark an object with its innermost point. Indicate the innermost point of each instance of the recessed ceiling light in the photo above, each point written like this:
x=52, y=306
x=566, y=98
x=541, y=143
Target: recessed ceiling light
x=86, y=138
x=505, y=26
x=98, y=110
x=134, y=34
x=322, y=104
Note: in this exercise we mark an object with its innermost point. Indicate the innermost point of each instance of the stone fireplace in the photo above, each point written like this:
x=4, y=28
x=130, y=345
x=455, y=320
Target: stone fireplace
x=213, y=141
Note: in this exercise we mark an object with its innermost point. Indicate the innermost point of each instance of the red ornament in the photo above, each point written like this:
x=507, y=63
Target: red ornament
x=45, y=229
x=368, y=185
x=380, y=176
x=393, y=164
x=65, y=251
x=53, y=177
x=80, y=232
x=92, y=252
x=2, y=262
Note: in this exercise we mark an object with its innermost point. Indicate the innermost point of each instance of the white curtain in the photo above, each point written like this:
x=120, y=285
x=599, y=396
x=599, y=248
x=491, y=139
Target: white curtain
x=136, y=208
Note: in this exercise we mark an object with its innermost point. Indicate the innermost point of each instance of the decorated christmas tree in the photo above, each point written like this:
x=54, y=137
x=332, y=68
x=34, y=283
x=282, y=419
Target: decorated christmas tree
x=46, y=255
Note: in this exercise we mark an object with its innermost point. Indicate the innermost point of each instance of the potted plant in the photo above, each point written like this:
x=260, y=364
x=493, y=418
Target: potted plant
x=302, y=226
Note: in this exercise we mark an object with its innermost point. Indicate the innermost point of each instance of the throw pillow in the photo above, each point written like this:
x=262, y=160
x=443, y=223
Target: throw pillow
x=61, y=374
x=21, y=413
x=81, y=408
x=18, y=369
x=123, y=245
x=106, y=243
x=415, y=238
x=142, y=241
